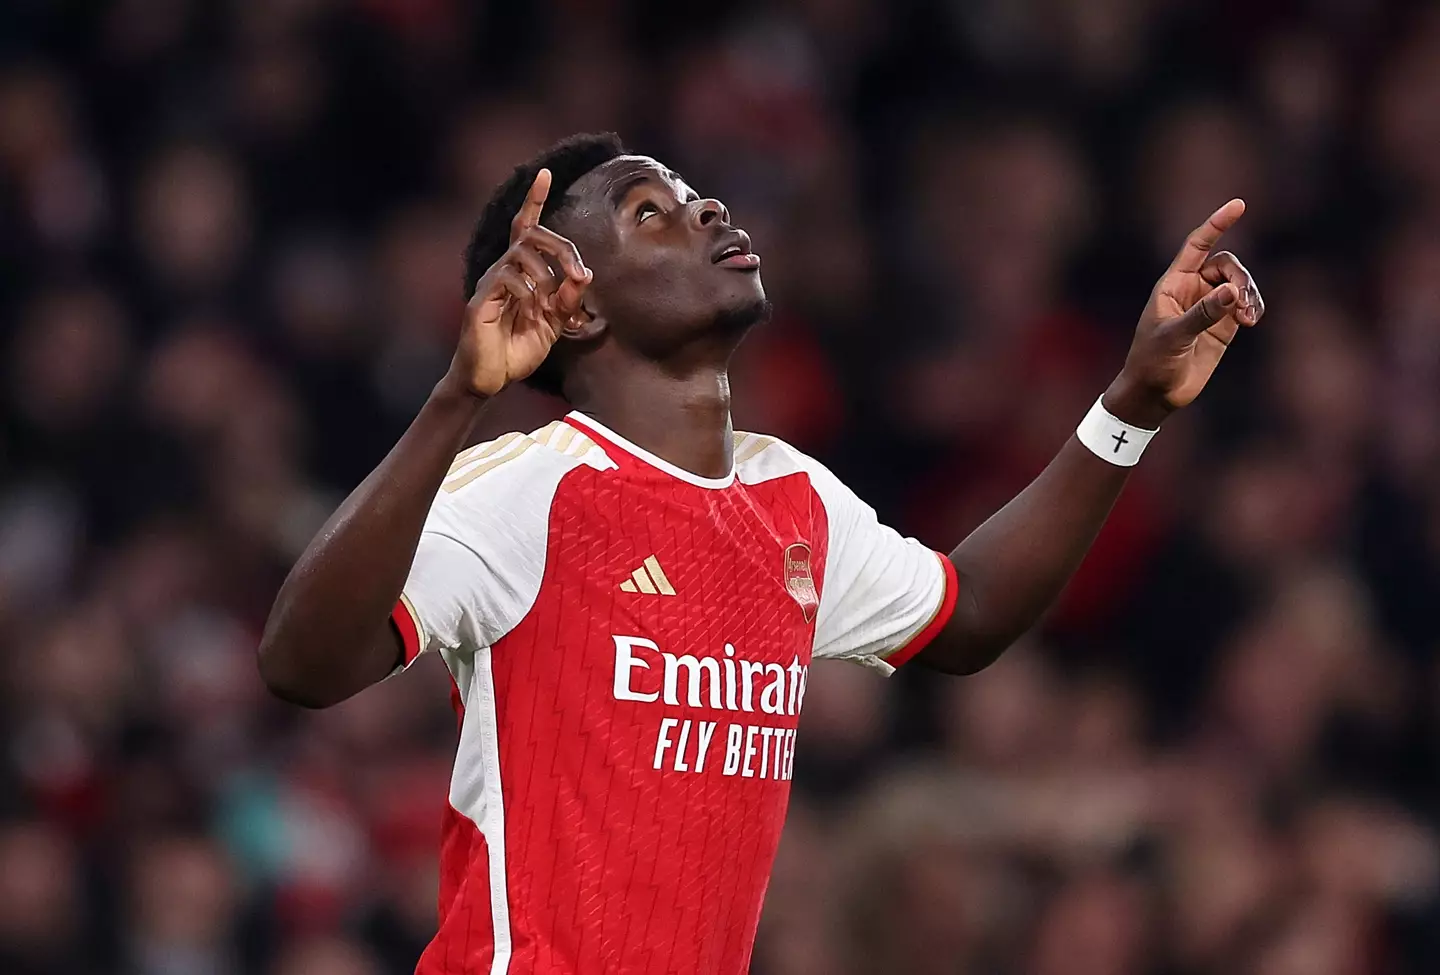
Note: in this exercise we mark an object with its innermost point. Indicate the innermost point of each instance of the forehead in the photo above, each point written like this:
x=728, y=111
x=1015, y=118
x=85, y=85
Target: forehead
x=606, y=184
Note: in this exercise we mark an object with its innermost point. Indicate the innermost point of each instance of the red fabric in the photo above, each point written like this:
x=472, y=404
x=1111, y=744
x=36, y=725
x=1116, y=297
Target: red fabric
x=409, y=632
x=612, y=863
x=942, y=616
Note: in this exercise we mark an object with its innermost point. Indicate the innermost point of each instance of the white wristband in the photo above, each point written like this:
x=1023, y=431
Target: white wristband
x=1112, y=439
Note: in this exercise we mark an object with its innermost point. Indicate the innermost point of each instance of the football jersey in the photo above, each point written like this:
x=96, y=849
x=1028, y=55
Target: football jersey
x=629, y=645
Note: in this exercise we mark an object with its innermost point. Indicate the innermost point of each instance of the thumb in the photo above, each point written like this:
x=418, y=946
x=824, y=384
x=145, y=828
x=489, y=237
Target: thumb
x=1207, y=311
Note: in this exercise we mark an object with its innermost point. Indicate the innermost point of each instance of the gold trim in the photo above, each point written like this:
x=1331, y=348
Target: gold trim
x=658, y=574
x=642, y=581
x=752, y=449
x=420, y=634
x=456, y=483
x=480, y=451
x=582, y=445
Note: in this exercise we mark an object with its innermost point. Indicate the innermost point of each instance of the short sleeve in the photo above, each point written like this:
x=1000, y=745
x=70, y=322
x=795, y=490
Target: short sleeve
x=883, y=596
x=457, y=600
x=480, y=560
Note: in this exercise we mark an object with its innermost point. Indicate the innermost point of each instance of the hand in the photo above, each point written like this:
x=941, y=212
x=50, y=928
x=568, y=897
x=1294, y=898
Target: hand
x=520, y=305
x=1193, y=315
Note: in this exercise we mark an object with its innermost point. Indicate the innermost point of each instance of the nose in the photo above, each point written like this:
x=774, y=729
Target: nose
x=706, y=212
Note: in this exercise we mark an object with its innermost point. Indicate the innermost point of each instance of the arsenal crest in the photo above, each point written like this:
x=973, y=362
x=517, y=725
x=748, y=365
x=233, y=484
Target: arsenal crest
x=799, y=581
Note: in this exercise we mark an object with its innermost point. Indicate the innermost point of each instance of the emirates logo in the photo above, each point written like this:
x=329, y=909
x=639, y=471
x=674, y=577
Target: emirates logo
x=799, y=581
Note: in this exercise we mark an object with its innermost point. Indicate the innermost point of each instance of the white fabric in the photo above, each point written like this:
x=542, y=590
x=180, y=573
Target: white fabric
x=879, y=589
x=1111, y=438
x=476, y=792
x=481, y=556
x=712, y=483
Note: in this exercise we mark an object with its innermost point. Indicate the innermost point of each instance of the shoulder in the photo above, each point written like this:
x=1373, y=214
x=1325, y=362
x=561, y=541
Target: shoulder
x=522, y=461
x=760, y=457
x=507, y=486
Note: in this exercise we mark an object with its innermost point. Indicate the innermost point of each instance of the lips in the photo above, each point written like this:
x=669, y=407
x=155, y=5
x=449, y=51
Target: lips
x=733, y=250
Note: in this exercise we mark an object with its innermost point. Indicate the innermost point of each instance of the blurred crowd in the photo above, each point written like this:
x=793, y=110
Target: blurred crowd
x=229, y=274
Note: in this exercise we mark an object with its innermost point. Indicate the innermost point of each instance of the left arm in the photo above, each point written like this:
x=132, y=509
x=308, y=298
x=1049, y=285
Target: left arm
x=1012, y=567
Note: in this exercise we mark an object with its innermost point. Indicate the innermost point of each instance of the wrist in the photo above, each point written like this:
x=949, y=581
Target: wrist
x=454, y=394
x=1135, y=404
x=1112, y=439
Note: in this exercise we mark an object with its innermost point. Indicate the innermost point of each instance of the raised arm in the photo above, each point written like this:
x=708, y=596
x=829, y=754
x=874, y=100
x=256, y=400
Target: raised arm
x=1012, y=567
x=329, y=635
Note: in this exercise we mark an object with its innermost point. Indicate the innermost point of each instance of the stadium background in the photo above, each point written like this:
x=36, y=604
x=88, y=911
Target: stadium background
x=229, y=273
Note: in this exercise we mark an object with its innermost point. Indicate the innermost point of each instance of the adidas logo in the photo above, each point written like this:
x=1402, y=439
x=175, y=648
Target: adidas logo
x=650, y=579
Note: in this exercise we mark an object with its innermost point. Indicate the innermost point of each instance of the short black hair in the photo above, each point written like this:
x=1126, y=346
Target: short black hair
x=568, y=160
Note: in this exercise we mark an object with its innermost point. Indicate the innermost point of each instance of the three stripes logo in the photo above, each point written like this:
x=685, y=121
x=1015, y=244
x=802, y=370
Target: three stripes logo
x=649, y=579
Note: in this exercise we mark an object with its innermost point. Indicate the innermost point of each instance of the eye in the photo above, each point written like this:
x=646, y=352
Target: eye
x=645, y=211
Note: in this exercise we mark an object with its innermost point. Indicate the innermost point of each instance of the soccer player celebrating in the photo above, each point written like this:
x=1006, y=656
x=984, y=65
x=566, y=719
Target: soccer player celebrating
x=629, y=599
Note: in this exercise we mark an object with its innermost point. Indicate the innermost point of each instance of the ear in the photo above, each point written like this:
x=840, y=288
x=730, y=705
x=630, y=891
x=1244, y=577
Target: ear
x=587, y=324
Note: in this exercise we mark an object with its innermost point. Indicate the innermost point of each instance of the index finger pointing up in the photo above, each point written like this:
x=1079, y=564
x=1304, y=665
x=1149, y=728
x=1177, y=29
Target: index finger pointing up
x=529, y=214
x=1202, y=239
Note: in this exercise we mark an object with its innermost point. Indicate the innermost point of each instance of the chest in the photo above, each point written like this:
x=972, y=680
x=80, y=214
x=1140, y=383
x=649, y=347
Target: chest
x=692, y=569
x=673, y=625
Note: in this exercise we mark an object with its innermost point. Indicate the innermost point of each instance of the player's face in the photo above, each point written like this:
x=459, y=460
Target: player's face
x=668, y=265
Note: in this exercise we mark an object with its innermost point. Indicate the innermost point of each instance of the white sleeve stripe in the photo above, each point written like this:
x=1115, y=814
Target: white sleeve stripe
x=481, y=558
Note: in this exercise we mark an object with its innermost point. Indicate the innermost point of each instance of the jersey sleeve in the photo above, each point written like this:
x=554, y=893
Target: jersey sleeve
x=883, y=596
x=481, y=556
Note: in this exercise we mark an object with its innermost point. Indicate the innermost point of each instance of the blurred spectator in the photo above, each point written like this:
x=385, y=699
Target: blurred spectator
x=229, y=273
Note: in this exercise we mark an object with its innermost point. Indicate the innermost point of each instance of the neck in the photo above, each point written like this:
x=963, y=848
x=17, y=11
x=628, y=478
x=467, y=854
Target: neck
x=684, y=419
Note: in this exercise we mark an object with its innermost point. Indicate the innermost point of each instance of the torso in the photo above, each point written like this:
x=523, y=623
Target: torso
x=643, y=800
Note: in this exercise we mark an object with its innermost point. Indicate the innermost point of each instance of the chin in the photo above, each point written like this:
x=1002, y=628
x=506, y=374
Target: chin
x=742, y=315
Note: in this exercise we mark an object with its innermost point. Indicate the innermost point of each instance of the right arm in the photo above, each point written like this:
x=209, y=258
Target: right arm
x=329, y=634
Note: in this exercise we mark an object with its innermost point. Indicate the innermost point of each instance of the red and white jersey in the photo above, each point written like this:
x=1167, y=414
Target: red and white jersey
x=629, y=644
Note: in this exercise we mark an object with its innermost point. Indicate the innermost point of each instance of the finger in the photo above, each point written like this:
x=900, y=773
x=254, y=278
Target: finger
x=568, y=298
x=1207, y=311
x=529, y=214
x=497, y=282
x=528, y=260
x=520, y=288
x=1226, y=267
x=577, y=276
x=1203, y=238
x=566, y=254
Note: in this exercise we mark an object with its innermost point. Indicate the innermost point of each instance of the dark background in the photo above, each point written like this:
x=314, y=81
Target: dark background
x=229, y=274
